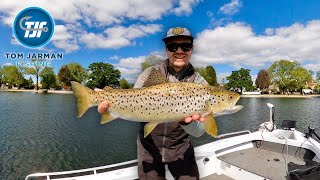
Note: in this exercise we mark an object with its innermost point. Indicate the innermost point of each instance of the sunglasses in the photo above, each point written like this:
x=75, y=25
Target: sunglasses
x=185, y=47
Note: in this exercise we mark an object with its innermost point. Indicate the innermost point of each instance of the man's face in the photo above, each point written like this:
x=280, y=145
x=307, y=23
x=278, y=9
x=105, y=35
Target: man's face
x=180, y=56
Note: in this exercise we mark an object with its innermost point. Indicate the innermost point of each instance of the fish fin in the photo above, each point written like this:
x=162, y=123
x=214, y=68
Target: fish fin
x=107, y=117
x=154, y=78
x=149, y=127
x=84, y=97
x=107, y=88
x=195, y=129
x=210, y=125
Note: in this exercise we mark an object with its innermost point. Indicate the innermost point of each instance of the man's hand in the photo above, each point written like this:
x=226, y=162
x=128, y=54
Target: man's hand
x=195, y=117
x=103, y=107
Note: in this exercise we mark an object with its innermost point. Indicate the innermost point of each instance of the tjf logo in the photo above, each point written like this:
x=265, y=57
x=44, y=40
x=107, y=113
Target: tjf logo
x=33, y=27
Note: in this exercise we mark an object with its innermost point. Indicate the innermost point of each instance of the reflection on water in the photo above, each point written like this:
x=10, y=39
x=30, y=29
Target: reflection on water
x=40, y=132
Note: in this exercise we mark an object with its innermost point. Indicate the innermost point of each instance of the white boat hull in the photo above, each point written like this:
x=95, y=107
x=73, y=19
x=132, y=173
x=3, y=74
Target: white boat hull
x=209, y=158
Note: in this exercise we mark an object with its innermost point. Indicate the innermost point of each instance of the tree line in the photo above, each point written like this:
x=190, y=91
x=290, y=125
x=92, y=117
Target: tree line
x=98, y=75
x=286, y=75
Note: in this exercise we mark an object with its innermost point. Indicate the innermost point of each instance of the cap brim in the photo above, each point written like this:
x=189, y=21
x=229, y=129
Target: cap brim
x=173, y=37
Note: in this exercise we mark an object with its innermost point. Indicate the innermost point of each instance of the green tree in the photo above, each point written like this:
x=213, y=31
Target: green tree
x=289, y=75
x=211, y=76
x=124, y=84
x=102, y=74
x=37, y=65
x=71, y=72
x=201, y=71
x=28, y=84
x=64, y=76
x=318, y=77
x=263, y=80
x=77, y=72
x=240, y=79
x=48, y=78
x=11, y=76
x=0, y=76
x=151, y=61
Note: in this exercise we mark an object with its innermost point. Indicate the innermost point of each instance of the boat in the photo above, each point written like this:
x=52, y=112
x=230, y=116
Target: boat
x=268, y=153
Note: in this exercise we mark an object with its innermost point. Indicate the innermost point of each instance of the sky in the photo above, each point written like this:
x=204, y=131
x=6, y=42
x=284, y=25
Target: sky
x=229, y=34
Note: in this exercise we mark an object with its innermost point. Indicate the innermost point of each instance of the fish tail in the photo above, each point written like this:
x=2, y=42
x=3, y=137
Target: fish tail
x=84, y=97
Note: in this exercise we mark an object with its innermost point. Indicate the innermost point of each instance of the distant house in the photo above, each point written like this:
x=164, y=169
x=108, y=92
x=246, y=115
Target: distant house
x=273, y=88
x=311, y=84
x=3, y=86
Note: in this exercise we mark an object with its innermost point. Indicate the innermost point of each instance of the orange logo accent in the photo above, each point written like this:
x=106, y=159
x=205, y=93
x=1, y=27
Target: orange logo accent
x=177, y=31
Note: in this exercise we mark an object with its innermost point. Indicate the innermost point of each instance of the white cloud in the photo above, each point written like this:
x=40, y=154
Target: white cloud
x=222, y=77
x=129, y=71
x=314, y=67
x=119, y=36
x=130, y=67
x=115, y=57
x=97, y=14
x=64, y=38
x=7, y=64
x=236, y=43
x=231, y=8
x=94, y=12
x=132, y=62
x=185, y=7
x=15, y=41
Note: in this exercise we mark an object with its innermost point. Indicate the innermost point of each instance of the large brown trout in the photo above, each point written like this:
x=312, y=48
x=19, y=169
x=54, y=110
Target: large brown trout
x=159, y=102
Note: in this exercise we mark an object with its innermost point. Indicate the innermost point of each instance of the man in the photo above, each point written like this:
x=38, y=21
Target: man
x=169, y=143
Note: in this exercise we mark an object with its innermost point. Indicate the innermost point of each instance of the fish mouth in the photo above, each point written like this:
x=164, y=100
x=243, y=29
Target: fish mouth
x=233, y=105
x=231, y=110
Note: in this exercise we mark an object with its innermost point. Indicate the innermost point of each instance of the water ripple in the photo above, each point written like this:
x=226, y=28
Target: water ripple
x=40, y=132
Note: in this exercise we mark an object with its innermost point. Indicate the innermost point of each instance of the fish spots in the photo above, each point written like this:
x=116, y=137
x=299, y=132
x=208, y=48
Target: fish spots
x=163, y=101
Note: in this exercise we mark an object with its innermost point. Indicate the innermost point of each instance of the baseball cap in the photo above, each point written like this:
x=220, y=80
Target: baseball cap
x=178, y=32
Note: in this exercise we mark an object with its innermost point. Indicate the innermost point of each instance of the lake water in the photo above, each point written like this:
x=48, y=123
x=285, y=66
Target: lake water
x=40, y=132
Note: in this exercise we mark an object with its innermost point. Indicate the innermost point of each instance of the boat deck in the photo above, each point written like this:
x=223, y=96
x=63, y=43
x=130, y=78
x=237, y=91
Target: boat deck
x=266, y=159
x=217, y=177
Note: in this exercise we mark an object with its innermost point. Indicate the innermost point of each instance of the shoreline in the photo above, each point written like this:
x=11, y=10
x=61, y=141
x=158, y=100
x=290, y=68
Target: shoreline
x=35, y=91
x=242, y=96
x=280, y=96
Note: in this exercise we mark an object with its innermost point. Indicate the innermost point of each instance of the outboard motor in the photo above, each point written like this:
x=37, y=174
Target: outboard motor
x=269, y=126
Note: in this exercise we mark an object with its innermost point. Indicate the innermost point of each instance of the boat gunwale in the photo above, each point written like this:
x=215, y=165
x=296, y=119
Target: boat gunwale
x=216, y=149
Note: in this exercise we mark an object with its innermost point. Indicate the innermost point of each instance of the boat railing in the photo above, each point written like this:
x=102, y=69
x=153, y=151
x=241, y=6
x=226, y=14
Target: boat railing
x=232, y=134
x=101, y=169
x=88, y=171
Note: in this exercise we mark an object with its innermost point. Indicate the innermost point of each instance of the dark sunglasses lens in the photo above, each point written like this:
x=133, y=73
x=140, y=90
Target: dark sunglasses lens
x=172, y=47
x=185, y=47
